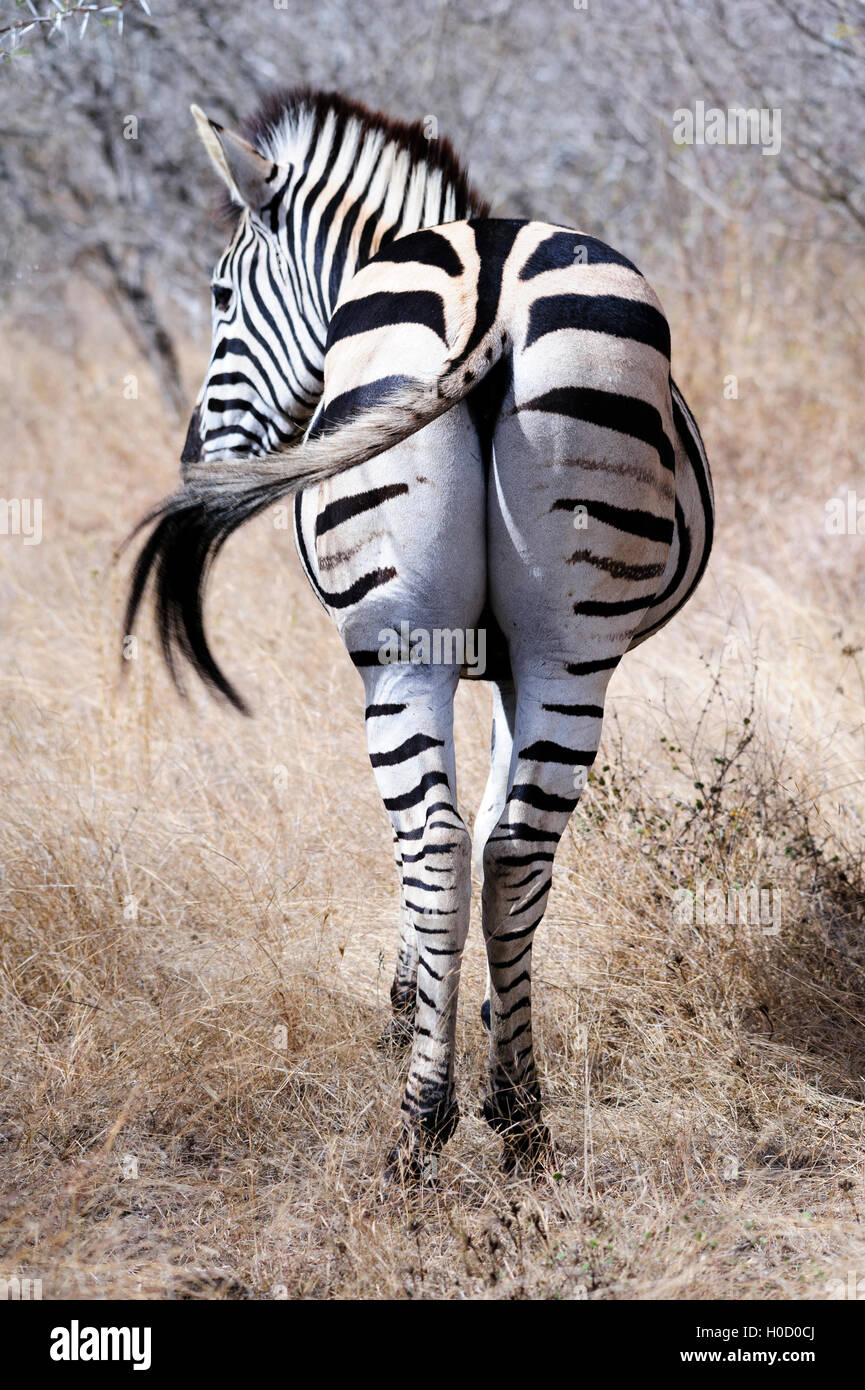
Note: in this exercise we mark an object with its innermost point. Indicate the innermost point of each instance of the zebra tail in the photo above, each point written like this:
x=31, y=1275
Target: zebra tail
x=188, y=529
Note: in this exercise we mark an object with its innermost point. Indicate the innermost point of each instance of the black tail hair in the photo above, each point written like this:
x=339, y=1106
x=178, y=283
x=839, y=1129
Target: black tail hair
x=189, y=530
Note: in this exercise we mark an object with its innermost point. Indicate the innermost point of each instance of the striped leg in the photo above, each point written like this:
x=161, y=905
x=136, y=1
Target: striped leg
x=558, y=727
x=400, y=1030
x=410, y=738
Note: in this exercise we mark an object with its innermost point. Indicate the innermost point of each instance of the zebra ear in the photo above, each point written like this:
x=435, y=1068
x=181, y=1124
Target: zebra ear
x=246, y=173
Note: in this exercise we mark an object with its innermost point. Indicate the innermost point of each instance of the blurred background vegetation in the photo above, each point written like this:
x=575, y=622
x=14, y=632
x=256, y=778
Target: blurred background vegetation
x=562, y=113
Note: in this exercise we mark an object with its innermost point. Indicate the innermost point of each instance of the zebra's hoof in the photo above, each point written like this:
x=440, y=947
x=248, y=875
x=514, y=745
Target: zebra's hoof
x=397, y=1036
x=485, y=1014
x=528, y=1146
x=529, y=1152
x=407, y=1170
x=414, y=1160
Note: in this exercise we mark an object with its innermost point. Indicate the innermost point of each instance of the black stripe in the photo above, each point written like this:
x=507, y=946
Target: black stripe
x=431, y=911
x=686, y=433
x=388, y=308
x=618, y=569
x=523, y=931
x=494, y=240
x=418, y=743
x=624, y=414
x=630, y=519
x=518, y=1032
x=325, y=223
x=544, y=750
x=522, y=979
x=417, y=794
x=562, y=249
x=278, y=292
x=517, y=861
x=314, y=286
x=349, y=404
x=271, y=209
x=361, y=658
x=425, y=248
x=509, y=964
x=431, y=849
x=541, y=800
x=699, y=469
x=613, y=608
x=302, y=550
x=227, y=404
x=528, y=879
x=521, y=831
x=343, y=241
x=379, y=711
x=588, y=668
x=683, y=560
x=599, y=313
x=428, y=968
x=295, y=265
x=580, y=711
x=367, y=236
x=213, y=435
x=344, y=508
x=343, y=598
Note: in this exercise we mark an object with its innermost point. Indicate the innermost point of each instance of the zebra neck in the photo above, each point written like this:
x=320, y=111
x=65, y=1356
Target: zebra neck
x=350, y=230
x=359, y=192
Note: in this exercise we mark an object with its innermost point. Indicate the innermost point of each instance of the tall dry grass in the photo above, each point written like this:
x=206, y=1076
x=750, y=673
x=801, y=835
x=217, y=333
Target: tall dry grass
x=198, y=912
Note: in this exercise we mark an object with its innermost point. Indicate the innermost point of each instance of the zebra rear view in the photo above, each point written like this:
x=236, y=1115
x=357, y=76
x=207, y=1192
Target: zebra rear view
x=493, y=475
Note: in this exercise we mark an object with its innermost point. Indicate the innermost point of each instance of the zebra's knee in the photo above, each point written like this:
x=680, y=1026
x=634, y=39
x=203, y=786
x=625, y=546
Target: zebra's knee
x=509, y=858
x=447, y=839
x=518, y=871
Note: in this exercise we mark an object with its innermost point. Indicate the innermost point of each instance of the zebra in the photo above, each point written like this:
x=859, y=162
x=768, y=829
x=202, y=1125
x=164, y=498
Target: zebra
x=476, y=420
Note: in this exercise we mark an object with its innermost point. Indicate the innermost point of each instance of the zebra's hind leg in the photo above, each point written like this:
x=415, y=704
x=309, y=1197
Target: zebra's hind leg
x=399, y=1033
x=557, y=731
x=410, y=738
x=496, y=790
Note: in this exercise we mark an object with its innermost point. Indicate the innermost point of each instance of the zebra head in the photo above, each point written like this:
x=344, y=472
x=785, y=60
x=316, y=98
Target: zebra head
x=263, y=378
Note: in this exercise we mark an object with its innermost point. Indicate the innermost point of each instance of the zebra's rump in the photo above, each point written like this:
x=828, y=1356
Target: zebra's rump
x=563, y=369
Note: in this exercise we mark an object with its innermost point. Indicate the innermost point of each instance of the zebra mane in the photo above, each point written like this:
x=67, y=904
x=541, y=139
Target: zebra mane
x=291, y=124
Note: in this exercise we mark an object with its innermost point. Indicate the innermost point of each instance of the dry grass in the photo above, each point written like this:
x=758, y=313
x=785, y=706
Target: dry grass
x=198, y=912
